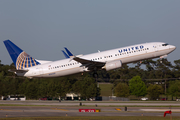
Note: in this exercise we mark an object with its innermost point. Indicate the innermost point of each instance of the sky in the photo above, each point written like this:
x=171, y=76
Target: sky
x=42, y=28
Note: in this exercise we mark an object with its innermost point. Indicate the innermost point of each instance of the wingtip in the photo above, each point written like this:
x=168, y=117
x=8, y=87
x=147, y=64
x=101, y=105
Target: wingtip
x=6, y=40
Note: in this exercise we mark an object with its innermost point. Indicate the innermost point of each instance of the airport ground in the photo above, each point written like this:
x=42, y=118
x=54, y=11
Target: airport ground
x=18, y=109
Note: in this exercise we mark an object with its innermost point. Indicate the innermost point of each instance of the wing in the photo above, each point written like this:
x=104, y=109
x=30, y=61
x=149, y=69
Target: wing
x=92, y=65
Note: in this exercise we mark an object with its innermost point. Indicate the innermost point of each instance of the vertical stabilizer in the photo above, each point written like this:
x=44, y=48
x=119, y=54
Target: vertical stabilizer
x=20, y=58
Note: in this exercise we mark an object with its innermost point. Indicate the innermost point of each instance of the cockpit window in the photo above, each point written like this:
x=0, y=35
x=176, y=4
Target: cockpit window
x=165, y=44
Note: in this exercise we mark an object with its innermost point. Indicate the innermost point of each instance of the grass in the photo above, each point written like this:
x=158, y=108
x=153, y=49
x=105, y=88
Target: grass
x=96, y=118
x=106, y=89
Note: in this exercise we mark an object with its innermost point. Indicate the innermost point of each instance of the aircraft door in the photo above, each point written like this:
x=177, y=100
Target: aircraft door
x=155, y=47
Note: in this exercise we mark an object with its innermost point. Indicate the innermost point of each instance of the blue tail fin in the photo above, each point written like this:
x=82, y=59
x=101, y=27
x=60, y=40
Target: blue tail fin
x=69, y=53
x=20, y=58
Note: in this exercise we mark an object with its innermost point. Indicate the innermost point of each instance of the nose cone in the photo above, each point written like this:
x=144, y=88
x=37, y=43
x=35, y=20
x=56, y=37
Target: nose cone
x=172, y=47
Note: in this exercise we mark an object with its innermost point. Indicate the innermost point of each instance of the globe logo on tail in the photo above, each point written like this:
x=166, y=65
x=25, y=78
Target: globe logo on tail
x=25, y=61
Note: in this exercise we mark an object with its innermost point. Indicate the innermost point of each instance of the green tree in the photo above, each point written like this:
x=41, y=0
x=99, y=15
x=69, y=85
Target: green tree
x=14, y=86
x=154, y=91
x=87, y=88
x=3, y=84
x=42, y=88
x=176, y=69
x=23, y=85
x=31, y=90
x=121, y=90
x=174, y=88
x=150, y=68
x=163, y=69
x=137, y=86
x=63, y=87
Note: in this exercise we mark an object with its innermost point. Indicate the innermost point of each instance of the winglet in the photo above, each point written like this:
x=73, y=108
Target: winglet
x=65, y=54
x=69, y=53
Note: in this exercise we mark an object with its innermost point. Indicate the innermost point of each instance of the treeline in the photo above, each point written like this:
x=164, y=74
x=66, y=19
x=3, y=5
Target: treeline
x=156, y=78
x=86, y=84
x=138, y=88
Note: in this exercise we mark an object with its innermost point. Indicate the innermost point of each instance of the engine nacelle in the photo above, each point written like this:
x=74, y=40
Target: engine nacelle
x=113, y=65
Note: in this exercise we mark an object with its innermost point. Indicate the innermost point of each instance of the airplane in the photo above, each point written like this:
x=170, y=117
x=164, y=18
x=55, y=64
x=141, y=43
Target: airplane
x=108, y=60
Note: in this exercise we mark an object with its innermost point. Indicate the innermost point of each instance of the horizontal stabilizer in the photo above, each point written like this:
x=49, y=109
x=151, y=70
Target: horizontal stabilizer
x=43, y=61
x=17, y=71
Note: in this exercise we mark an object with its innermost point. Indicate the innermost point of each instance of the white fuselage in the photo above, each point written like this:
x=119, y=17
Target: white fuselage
x=126, y=55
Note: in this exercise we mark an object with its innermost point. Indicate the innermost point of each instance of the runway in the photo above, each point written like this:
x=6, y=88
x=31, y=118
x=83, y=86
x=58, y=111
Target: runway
x=54, y=109
x=94, y=103
x=26, y=111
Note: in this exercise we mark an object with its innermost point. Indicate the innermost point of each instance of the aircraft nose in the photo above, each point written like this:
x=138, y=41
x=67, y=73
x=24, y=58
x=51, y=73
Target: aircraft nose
x=172, y=47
